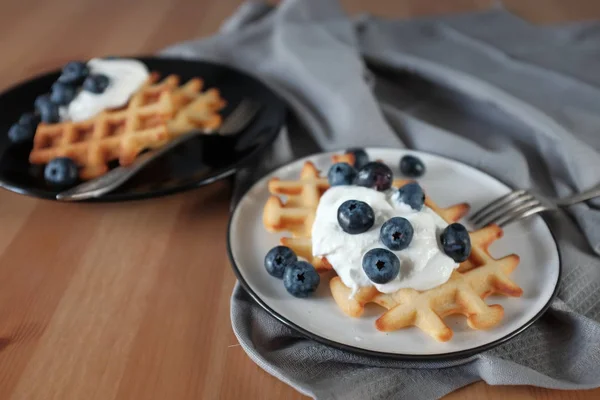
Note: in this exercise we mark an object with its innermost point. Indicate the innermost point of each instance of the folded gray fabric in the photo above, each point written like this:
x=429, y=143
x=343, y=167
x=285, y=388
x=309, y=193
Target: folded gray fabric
x=517, y=101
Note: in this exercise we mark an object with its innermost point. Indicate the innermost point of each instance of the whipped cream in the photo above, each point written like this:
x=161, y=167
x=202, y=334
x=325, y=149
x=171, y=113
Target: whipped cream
x=126, y=77
x=423, y=265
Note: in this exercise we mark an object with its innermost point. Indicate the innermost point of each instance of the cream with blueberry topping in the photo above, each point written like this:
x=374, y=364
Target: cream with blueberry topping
x=125, y=77
x=424, y=264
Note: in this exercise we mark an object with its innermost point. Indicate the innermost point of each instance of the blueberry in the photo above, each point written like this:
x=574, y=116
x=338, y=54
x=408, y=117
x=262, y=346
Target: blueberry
x=62, y=93
x=412, y=166
x=20, y=133
x=96, y=83
x=396, y=233
x=411, y=194
x=341, y=174
x=355, y=217
x=277, y=259
x=74, y=72
x=29, y=119
x=24, y=130
x=49, y=112
x=380, y=265
x=61, y=171
x=456, y=242
x=374, y=175
x=361, y=158
x=301, y=279
x=41, y=100
x=47, y=109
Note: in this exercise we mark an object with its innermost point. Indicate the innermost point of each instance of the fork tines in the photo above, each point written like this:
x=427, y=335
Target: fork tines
x=513, y=206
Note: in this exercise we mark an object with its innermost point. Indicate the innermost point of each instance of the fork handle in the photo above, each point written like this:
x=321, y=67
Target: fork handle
x=149, y=156
x=118, y=176
x=580, y=197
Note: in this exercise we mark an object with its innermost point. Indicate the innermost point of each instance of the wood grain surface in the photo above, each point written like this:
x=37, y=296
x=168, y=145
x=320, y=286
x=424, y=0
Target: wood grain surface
x=131, y=300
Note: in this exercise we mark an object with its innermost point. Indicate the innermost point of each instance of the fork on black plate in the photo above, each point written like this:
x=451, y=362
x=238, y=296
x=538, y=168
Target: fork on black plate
x=235, y=122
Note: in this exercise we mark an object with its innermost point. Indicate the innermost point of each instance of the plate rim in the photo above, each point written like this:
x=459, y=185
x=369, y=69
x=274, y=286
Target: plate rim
x=450, y=356
x=221, y=174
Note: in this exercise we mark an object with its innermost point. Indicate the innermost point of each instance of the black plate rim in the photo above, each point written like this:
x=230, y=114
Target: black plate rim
x=225, y=172
x=462, y=355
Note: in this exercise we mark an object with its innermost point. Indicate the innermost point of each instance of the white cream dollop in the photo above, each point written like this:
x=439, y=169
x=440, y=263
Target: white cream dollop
x=423, y=265
x=125, y=76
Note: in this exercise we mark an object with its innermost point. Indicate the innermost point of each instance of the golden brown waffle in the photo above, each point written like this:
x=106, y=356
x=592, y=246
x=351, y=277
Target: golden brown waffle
x=145, y=123
x=200, y=113
x=461, y=294
x=297, y=214
x=184, y=95
x=475, y=279
x=114, y=134
x=193, y=108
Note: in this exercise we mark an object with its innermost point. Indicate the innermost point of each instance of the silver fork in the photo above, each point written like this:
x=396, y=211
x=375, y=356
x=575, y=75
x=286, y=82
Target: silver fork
x=237, y=120
x=522, y=203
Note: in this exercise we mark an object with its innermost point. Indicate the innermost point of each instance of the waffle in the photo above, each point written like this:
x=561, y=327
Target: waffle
x=193, y=108
x=147, y=122
x=200, y=113
x=297, y=214
x=478, y=277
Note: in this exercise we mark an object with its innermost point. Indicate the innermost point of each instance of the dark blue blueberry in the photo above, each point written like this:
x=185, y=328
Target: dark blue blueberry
x=62, y=93
x=375, y=175
x=41, y=100
x=412, y=166
x=361, y=158
x=61, y=171
x=301, y=279
x=396, y=233
x=341, y=174
x=277, y=259
x=47, y=109
x=24, y=130
x=20, y=133
x=355, y=216
x=411, y=194
x=380, y=265
x=456, y=242
x=29, y=119
x=96, y=83
x=49, y=112
x=74, y=72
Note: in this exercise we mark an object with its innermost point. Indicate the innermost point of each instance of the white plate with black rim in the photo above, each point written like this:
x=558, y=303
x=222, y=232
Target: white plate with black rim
x=447, y=182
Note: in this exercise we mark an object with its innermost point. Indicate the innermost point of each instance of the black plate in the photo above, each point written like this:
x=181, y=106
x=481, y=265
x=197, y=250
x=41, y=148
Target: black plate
x=198, y=162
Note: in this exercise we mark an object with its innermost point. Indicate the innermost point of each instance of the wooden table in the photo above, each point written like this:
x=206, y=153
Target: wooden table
x=131, y=300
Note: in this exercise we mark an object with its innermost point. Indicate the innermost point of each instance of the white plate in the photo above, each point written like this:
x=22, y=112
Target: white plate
x=447, y=182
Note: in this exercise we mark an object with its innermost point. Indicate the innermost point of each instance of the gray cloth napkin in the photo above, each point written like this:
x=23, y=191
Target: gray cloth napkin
x=518, y=101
